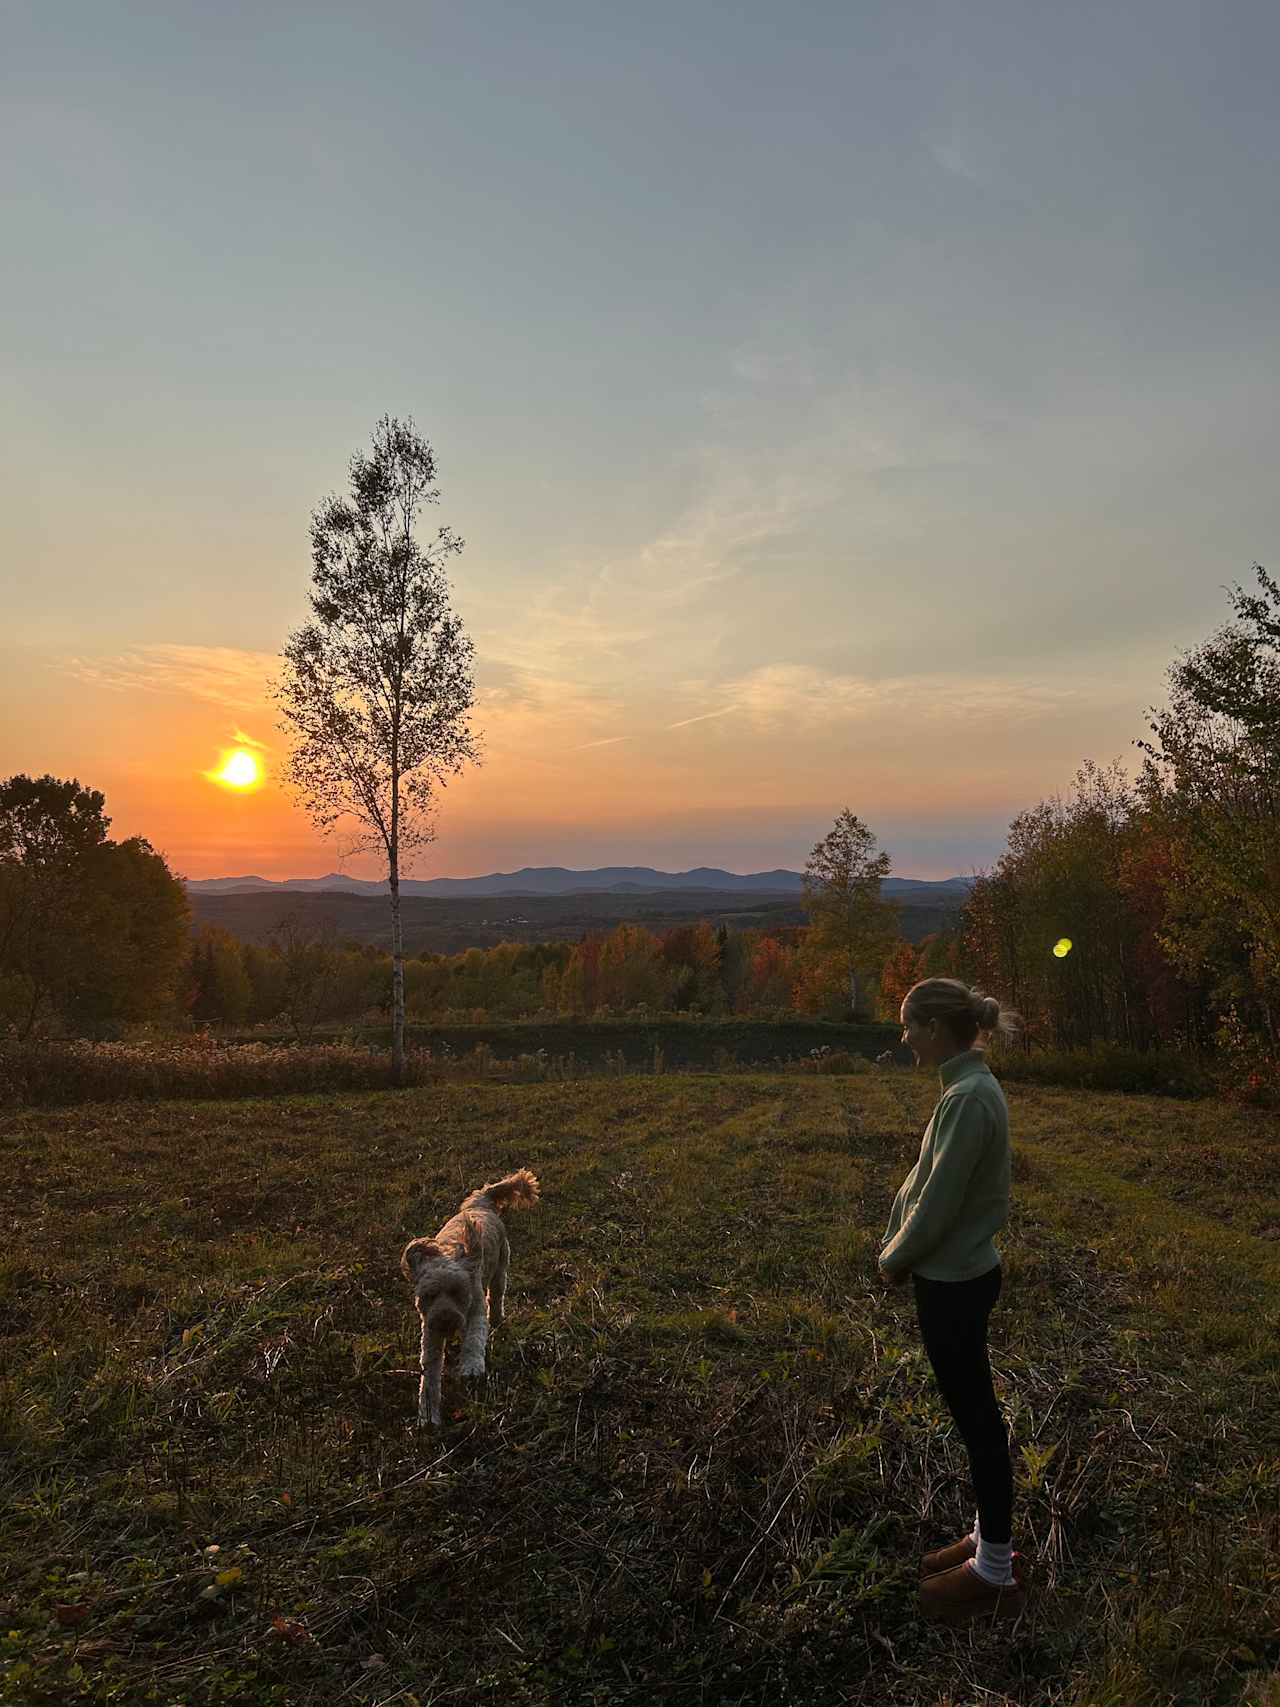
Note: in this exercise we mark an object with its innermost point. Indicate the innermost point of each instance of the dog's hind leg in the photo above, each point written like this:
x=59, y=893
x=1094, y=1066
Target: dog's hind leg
x=498, y=1285
x=474, y=1338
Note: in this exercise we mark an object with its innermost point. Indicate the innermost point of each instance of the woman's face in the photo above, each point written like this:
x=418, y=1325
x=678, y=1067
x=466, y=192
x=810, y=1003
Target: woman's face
x=928, y=1042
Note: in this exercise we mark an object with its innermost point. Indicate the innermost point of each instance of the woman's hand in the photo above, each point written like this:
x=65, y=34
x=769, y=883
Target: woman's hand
x=894, y=1279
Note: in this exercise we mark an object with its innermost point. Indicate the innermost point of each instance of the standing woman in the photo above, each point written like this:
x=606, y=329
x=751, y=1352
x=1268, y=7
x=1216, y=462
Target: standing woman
x=940, y=1233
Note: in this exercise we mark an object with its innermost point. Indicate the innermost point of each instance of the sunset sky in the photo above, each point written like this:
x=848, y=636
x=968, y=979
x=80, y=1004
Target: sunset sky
x=842, y=404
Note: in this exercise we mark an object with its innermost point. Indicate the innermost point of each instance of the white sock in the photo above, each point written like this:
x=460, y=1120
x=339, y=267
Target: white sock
x=994, y=1563
x=975, y=1534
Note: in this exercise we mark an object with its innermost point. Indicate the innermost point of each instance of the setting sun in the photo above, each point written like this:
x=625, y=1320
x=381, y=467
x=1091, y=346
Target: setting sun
x=240, y=770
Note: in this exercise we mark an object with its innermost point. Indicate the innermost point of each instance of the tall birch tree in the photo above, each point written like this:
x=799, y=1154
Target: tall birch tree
x=377, y=688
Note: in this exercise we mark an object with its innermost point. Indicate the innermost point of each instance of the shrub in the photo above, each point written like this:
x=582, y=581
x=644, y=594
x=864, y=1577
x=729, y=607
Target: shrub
x=826, y=1060
x=1107, y=1067
x=842, y=1062
x=1246, y=1069
x=50, y=1074
x=46, y=1074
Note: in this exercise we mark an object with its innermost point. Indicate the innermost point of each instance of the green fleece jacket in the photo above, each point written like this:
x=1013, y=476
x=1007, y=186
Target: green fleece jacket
x=957, y=1195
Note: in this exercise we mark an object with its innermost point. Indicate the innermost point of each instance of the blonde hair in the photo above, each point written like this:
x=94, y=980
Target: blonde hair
x=965, y=1012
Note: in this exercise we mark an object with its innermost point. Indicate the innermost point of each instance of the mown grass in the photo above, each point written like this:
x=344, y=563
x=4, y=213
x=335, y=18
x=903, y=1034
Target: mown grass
x=709, y=1451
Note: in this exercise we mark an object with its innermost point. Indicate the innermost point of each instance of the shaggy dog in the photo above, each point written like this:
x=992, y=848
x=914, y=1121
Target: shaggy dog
x=451, y=1274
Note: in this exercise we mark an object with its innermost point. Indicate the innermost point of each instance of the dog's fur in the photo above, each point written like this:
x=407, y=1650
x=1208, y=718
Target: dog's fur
x=451, y=1275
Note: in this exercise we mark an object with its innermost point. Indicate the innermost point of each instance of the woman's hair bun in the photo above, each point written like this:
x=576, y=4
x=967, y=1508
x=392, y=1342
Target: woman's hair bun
x=963, y=1011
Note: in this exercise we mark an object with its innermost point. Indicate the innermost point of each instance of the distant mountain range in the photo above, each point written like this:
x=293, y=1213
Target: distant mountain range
x=556, y=880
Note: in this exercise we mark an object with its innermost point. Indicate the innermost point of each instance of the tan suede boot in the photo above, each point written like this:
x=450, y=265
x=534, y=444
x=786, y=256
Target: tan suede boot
x=959, y=1596
x=947, y=1558
x=943, y=1558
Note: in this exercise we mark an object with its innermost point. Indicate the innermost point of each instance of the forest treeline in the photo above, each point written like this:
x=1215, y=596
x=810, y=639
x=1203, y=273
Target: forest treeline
x=1165, y=885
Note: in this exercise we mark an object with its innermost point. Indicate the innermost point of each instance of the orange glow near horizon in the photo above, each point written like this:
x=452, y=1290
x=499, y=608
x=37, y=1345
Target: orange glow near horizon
x=185, y=759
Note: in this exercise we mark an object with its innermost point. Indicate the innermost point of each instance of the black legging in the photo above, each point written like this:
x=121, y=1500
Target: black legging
x=953, y=1324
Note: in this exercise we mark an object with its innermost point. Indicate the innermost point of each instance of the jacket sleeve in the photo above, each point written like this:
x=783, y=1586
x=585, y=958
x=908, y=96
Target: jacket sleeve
x=960, y=1138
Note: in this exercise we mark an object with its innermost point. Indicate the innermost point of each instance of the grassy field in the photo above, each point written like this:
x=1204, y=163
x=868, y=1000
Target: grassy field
x=709, y=1452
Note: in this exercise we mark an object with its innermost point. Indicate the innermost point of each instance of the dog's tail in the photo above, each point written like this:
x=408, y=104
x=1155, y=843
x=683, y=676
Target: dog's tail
x=519, y=1190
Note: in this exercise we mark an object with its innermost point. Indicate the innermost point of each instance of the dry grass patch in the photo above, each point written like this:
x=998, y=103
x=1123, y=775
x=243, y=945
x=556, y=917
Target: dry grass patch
x=709, y=1451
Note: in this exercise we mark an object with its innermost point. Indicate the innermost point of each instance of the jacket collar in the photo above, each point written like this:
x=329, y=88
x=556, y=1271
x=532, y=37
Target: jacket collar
x=956, y=1066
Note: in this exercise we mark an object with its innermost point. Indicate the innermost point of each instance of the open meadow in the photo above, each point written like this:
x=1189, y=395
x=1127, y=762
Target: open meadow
x=709, y=1451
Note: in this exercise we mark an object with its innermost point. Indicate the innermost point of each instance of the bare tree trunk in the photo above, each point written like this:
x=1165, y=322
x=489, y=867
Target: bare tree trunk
x=397, y=935
x=397, y=975
x=36, y=995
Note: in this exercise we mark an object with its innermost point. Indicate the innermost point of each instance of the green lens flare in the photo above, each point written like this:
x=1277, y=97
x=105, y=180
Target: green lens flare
x=1062, y=948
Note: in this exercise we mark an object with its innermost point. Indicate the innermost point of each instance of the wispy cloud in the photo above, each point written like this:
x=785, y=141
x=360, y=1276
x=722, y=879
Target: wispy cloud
x=702, y=717
x=960, y=155
x=609, y=741
x=974, y=154
x=784, y=362
x=803, y=697
x=221, y=675
x=665, y=597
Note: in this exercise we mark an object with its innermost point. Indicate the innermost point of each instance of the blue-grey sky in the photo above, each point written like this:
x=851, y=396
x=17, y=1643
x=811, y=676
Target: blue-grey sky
x=843, y=405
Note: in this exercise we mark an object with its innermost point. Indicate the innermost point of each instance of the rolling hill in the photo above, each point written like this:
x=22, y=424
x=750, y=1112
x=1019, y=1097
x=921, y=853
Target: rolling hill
x=447, y=925
x=557, y=880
